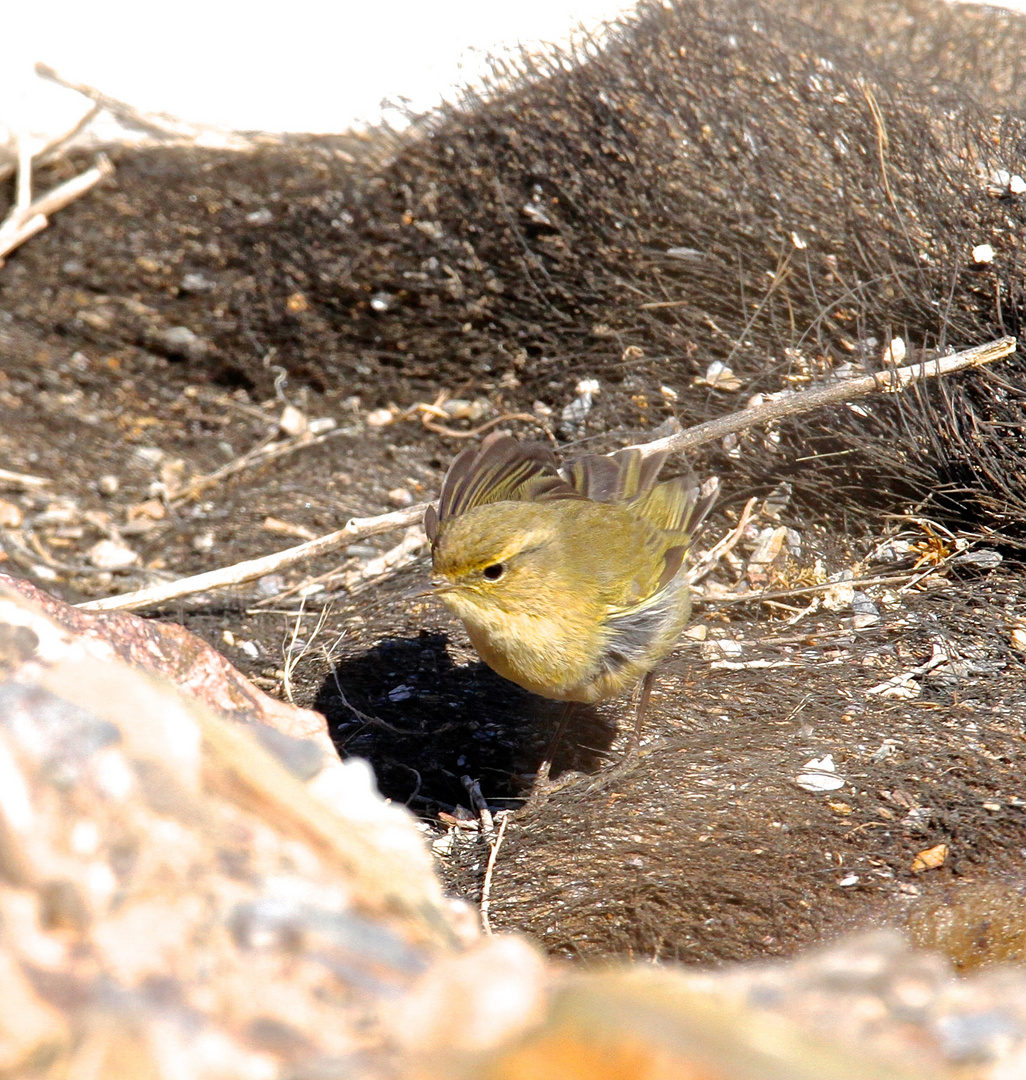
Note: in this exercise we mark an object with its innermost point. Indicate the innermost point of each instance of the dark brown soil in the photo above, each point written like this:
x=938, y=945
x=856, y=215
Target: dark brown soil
x=705, y=850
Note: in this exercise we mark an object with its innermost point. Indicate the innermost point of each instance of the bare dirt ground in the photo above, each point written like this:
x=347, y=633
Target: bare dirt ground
x=707, y=850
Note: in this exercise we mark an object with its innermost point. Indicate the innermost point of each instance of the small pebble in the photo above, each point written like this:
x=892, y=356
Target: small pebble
x=1012, y=181
x=819, y=774
x=10, y=515
x=866, y=612
x=107, y=485
x=292, y=421
x=177, y=342
x=574, y=414
x=269, y=585
x=110, y=555
x=720, y=647
x=839, y=596
x=930, y=859
x=151, y=455
x=892, y=551
x=895, y=351
x=986, y=559
x=196, y=283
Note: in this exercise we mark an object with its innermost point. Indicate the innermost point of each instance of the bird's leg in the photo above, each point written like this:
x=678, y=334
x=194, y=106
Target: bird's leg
x=631, y=755
x=545, y=768
x=544, y=785
x=644, y=692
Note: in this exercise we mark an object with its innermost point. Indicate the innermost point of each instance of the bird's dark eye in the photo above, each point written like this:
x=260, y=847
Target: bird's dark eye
x=495, y=571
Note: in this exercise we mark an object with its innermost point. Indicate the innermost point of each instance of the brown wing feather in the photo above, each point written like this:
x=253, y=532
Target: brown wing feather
x=617, y=478
x=500, y=469
x=594, y=477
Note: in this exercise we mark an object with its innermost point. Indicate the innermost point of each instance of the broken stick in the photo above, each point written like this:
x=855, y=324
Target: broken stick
x=890, y=381
x=24, y=221
x=21, y=480
x=251, y=569
x=804, y=401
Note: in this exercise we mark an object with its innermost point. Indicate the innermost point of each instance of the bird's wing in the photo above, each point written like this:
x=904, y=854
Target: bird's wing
x=617, y=478
x=678, y=505
x=501, y=469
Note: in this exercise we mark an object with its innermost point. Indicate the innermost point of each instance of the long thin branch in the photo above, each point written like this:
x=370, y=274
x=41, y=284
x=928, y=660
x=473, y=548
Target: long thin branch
x=52, y=148
x=22, y=480
x=24, y=222
x=158, y=126
x=357, y=528
x=262, y=454
x=354, y=529
x=843, y=390
x=59, y=197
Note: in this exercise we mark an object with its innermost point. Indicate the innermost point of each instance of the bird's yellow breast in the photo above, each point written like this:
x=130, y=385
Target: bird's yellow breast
x=549, y=654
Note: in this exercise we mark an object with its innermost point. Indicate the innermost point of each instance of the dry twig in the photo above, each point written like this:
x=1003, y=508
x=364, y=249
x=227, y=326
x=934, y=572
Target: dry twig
x=159, y=126
x=296, y=649
x=18, y=480
x=51, y=149
x=845, y=390
x=265, y=451
x=27, y=217
x=251, y=569
x=715, y=553
x=486, y=888
x=431, y=414
x=753, y=596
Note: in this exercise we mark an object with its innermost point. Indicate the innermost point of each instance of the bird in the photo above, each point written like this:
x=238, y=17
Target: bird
x=571, y=581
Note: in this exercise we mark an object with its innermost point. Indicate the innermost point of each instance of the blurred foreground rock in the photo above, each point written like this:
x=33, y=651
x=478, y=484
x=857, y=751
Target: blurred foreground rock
x=175, y=901
x=179, y=898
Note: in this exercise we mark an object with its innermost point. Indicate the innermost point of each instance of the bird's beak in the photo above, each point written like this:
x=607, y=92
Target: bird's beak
x=435, y=587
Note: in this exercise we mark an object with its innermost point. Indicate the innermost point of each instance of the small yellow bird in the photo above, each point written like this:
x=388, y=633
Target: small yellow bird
x=570, y=581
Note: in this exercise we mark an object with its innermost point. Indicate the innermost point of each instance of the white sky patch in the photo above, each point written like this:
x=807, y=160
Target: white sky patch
x=305, y=65
x=301, y=66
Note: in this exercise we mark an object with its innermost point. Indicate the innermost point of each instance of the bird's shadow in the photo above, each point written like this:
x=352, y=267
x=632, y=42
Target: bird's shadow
x=423, y=723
